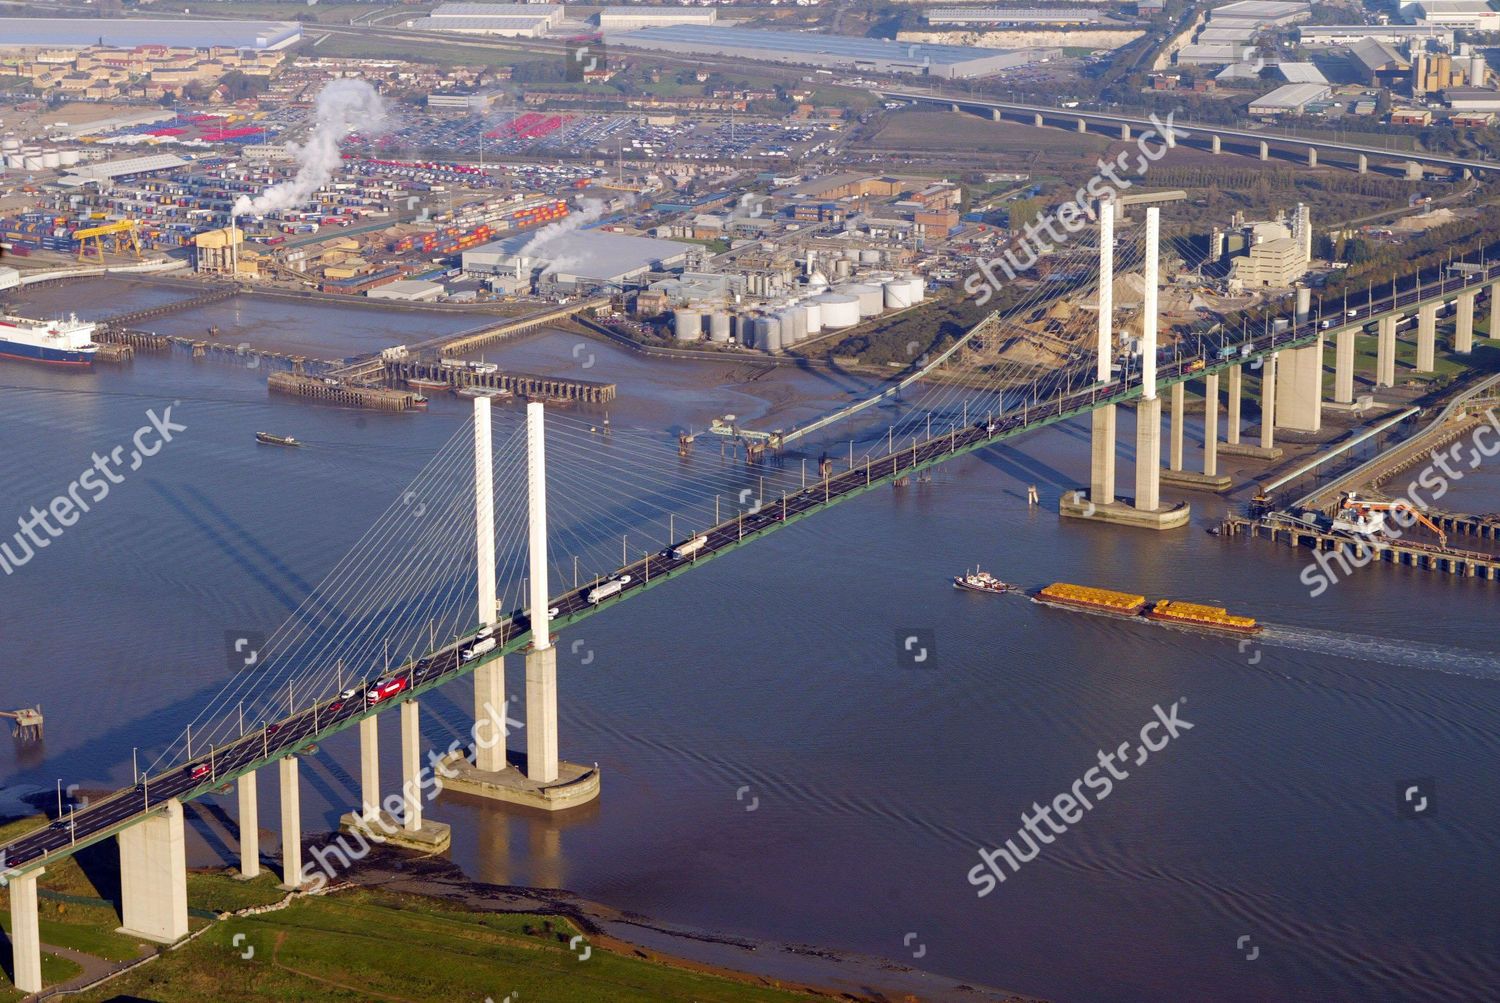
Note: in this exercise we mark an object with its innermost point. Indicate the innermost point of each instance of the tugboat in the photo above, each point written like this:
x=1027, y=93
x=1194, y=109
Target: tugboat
x=275, y=440
x=419, y=403
x=981, y=581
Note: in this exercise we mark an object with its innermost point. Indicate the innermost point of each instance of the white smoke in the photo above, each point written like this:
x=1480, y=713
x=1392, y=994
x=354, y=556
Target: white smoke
x=547, y=242
x=344, y=106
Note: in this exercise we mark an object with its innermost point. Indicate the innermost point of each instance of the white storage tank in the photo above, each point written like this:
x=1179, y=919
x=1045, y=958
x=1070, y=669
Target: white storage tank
x=839, y=310
x=772, y=340
x=897, y=294
x=871, y=298
x=688, y=324
x=10, y=145
x=32, y=162
x=793, y=326
x=918, y=288
x=51, y=160
x=69, y=157
x=15, y=161
x=718, y=327
x=812, y=316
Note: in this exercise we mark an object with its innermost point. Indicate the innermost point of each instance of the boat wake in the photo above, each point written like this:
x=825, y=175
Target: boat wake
x=1439, y=657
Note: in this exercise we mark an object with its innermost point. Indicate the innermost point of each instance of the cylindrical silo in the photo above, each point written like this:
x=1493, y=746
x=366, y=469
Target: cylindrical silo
x=897, y=294
x=917, y=286
x=51, y=160
x=871, y=298
x=839, y=310
x=718, y=327
x=32, y=162
x=772, y=340
x=10, y=144
x=842, y=269
x=869, y=257
x=68, y=157
x=1477, y=69
x=793, y=326
x=688, y=324
x=812, y=315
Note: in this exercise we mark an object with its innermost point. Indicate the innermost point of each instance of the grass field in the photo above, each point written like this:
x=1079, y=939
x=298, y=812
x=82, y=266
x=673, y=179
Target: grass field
x=374, y=945
x=941, y=130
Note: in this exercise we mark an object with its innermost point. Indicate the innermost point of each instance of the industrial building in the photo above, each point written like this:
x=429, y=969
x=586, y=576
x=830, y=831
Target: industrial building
x=1478, y=99
x=1012, y=16
x=1289, y=99
x=1301, y=73
x=127, y=33
x=1216, y=54
x=1379, y=63
x=577, y=258
x=1260, y=13
x=1393, y=34
x=1470, y=15
x=509, y=20
x=868, y=55
x=408, y=290
x=633, y=18
x=1269, y=254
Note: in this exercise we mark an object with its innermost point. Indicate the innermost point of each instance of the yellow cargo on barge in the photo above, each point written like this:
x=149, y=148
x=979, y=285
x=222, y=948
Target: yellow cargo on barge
x=1203, y=617
x=1084, y=597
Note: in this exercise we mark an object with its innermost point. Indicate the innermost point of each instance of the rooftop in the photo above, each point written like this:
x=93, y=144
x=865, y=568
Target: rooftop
x=127, y=33
x=808, y=43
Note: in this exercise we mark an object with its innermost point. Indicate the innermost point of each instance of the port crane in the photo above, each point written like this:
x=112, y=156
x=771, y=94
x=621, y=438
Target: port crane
x=122, y=233
x=1364, y=517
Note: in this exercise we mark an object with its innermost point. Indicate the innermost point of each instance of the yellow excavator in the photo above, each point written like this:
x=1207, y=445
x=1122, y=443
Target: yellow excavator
x=1363, y=517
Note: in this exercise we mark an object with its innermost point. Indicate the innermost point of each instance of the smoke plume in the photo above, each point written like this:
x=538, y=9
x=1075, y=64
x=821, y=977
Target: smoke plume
x=344, y=106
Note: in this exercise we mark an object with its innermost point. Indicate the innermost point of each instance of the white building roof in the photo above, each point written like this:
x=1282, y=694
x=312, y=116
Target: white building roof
x=1290, y=97
x=1301, y=73
x=496, y=10
x=132, y=165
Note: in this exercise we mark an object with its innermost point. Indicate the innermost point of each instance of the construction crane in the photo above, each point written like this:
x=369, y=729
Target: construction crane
x=122, y=234
x=1366, y=518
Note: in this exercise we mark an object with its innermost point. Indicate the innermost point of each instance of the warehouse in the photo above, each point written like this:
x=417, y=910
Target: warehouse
x=1215, y=54
x=1480, y=99
x=1393, y=34
x=869, y=55
x=1290, y=99
x=127, y=33
x=1260, y=13
x=1473, y=15
x=576, y=258
x=408, y=290
x=633, y=18
x=113, y=169
x=508, y=20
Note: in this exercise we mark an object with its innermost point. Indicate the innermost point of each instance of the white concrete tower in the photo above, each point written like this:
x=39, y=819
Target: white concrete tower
x=489, y=678
x=1102, y=462
x=1148, y=413
x=541, y=660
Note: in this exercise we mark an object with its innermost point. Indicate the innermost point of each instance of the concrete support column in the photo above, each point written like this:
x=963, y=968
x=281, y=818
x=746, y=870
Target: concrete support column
x=369, y=766
x=1463, y=325
x=1102, y=462
x=291, y=823
x=249, y=826
x=1036, y=120
x=25, y=934
x=1426, y=337
x=1211, y=425
x=1268, y=402
x=1179, y=407
x=1214, y=144
x=1124, y=130
x=1083, y=126
x=541, y=715
x=1363, y=164
x=1236, y=396
x=1265, y=150
x=1343, y=365
x=1494, y=294
x=1413, y=171
x=1312, y=156
x=1385, y=352
x=994, y=114
x=411, y=766
x=153, y=876
x=1299, y=391
x=1148, y=454
x=489, y=705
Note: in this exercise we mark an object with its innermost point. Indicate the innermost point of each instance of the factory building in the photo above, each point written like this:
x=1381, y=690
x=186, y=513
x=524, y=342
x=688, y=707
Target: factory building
x=1215, y=54
x=577, y=259
x=1260, y=13
x=128, y=33
x=1393, y=34
x=1289, y=99
x=508, y=20
x=1379, y=63
x=1270, y=254
x=1469, y=15
x=633, y=18
x=865, y=55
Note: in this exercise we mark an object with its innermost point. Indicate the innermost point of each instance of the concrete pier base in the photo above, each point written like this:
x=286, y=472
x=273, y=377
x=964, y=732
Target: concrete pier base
x=1076, y=505
x=1148, y=453
x=249, y=826
x=575, y=784
x=1196, y=481
x=384, y=828
x=25, y=933
x=1247, y=449
x=1102, y=454
x=153, y=877
x=1299, y=388
x=291, y=823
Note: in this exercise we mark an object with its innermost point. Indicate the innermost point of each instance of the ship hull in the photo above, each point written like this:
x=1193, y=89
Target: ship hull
x=965, y=586
x=1088, y=607
x=45, y=356
x=1188, y=623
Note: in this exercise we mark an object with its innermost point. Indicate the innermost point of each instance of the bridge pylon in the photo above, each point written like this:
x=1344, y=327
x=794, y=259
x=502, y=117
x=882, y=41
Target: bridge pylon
x=539, y=779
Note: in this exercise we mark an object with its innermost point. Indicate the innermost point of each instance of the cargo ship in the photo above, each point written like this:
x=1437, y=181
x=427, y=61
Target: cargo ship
x=981, y=581
x=276, y=440
x=1200, y=617
x=1091, y=600
x=54, y=342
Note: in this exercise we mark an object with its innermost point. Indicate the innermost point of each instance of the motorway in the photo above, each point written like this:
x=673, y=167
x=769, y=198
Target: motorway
x=104, y=818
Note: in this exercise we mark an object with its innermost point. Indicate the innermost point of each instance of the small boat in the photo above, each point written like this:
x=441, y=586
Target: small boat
x=420, y=403
x=981, y=581
x=276, y=440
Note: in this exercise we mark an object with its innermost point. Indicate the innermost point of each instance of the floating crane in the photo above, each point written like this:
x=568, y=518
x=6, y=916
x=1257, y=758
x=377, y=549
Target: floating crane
x=28, y=722
x=122, y=233
x=1366, y=518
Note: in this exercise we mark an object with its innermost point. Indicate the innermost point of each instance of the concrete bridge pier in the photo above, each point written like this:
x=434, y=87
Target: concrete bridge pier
x=1494, y=295
x=1363, y=164
x=956, y=108
x=1299, y=393
x=25, y=933
x=249, y=826
x=1463, y=325
x=1312, y=156
x=1104, y=419
x=1413, y=171
x=375, y=820
x=994, y=114
x=291, y=823
x=541, y=715
x=1179, y=407
x=1215, y=145
x=1426, y=337
x=1385, y=352
x=1083, y=126
x=1343, y=365
x=1124, y=130
x=1265, y=150
x=1211, y=425
x=1236, y=398
x=1036, y=120
x=1148, y=455
x=1268, y=402
x=153, y=876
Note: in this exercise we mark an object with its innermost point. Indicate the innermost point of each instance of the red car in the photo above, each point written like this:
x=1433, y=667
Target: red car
x=198, y=770
x=387, y=689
